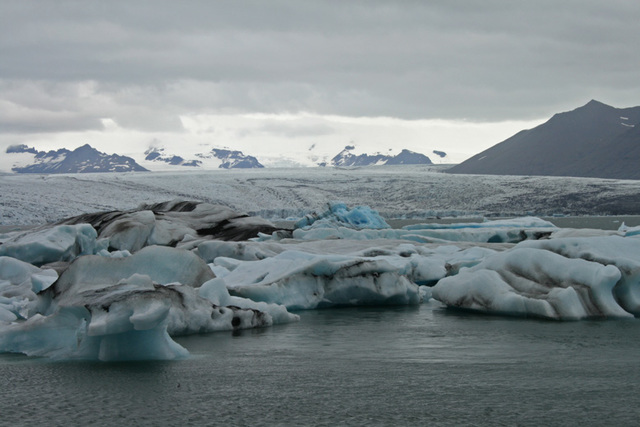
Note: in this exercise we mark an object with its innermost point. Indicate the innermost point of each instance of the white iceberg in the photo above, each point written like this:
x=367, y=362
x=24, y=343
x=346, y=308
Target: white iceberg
x=498, y=231
x=618, y=251
x=174, y=223
x=303, y=281
x=557, y=279
x=128, y=308
x=338, y=214
x=19, y=284
x=51, y=244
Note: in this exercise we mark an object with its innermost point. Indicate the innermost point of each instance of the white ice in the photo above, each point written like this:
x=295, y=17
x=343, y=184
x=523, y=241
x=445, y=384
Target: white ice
x=505, y=231
x=562, y=278
x=59, y=243
x=123, y=295
x=128, y=308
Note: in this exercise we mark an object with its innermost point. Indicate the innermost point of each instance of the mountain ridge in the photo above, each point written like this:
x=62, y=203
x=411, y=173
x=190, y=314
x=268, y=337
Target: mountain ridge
x=595, y=140
x=84, y=159
x=405, y=157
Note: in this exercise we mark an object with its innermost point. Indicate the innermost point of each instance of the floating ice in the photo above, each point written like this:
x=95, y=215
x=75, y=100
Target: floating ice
x=59, y=243
x=299, y=280
x=176, y=223
x=621, y=252
x=629, y=231
x=504, y=231
x=338, y=214
x=313, y=274
x=157, y=273
x=19, y=284
x=127, y=308
x=564, y=279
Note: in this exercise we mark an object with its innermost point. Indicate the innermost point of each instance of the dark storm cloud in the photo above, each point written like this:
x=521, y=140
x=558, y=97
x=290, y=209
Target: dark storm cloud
x=490, y=60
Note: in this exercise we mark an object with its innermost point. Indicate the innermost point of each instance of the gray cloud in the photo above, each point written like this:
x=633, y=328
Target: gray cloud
x=295, y=129
x=490, y=60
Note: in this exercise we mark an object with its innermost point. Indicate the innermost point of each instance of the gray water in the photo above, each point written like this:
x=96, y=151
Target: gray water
x=421, y=365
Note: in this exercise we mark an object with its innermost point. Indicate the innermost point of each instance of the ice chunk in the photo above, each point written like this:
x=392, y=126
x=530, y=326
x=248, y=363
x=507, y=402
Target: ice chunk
x=629, y=231
x=532, y=282
x=51, y=244
x=338, y=214
x=19, y=284
x=503, y=231
x=216, y=291
x=124, y=329
x=130, y=231
x=622, y=252
x=523, y=222
x=300, y=280
x=163, y=265
x=127, y=308
x=174, y=223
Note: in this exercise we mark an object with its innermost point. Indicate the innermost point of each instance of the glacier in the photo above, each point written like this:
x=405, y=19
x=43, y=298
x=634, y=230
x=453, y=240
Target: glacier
x=121, y=284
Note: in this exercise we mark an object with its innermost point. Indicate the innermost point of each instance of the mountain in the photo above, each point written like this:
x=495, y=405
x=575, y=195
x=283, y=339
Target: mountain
x=81, y=160
x=595, y=140
x=216, y=158
x=405, y=157
x=232, y=159
x=158, y=155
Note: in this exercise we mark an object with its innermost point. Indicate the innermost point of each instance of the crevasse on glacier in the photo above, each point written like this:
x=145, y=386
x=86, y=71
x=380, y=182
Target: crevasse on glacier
x=119, y=285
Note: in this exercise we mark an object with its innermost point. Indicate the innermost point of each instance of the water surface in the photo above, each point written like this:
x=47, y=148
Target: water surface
x=357, y=366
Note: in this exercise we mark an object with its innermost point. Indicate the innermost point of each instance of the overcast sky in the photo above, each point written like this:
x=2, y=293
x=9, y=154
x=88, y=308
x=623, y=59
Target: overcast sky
x=68, y=67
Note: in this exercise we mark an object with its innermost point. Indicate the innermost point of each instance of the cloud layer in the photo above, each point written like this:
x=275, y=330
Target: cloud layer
x=66, y=65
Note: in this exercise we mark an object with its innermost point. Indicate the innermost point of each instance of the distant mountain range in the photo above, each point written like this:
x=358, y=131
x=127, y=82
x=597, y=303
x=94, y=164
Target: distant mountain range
x=25, y=159
x=405, y=157
x=230, y=159
x=595, y=140
x=81, y=160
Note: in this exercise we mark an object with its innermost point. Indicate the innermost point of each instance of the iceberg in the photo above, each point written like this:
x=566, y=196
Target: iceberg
x=19, y=284
x=498, y=231
x=338, y=214
x=563, y=279
x=119, y=285
x=616, y=251
x=52, y=244
x=304, y=281
x=108, y=309
x=179, y=223
x=317, y=274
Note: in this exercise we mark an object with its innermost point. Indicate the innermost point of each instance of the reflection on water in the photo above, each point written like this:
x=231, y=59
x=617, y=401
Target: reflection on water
x=362, y=366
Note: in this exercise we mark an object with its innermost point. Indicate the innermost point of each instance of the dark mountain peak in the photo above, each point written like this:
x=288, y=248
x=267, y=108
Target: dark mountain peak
x=596, y=104
x=234, y=159
x=83, y=159
x=594, y=140
x=405, y=157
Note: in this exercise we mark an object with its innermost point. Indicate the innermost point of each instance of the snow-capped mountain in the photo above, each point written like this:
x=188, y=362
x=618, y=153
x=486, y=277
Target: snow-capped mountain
x=215, y=158
x=347, y=158
x=595, y=140
x=158, y=155
x=81, y=160
x=26, y=159
x=233, y=159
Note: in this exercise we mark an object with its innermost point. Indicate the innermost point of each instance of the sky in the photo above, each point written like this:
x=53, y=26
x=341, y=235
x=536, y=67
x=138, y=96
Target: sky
x=281, y=77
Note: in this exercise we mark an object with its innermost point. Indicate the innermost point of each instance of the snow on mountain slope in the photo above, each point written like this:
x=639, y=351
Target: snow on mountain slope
x=405, y=157
x=81, y=160
x=217, y=158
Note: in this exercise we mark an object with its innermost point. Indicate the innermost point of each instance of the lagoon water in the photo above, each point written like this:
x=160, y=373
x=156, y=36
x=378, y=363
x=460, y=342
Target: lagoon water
x=421, y=365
